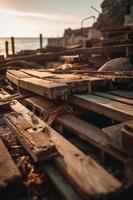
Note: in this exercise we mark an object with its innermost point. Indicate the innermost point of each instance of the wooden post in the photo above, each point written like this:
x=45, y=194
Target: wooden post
x=13, y=45
x=41, y=41
x=7, y=48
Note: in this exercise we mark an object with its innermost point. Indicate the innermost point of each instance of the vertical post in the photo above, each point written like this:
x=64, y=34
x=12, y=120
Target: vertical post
x=7, y=48
x=41, y=41
x=12, y=45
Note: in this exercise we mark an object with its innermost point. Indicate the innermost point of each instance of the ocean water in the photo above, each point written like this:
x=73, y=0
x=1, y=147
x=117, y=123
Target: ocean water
x=21, y=44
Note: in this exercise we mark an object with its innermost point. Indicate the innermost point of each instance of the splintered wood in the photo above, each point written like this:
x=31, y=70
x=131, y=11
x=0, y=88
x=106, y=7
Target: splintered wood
x=35, y=137
x=84, y=130
x=53, y=85
x=74, y=164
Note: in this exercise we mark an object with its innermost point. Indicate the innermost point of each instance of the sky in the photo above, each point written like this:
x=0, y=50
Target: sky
x=29, y=18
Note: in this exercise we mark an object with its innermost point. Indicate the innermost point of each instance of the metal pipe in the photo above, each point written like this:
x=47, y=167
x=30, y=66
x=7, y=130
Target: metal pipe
x=95, y=9
x=85, y=19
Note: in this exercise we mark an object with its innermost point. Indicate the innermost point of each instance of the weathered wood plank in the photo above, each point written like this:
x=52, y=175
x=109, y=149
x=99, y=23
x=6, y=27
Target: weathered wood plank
x=120, y=136
x=6, y=98
x=10, y=177
x=129, y=126
x=91, y=134
x=55, y=85
x=55, y=56
x=109, y=108
x=115, y=98
x=34, y=138
x=113, y=134
x=127, y=141
x=38, y=73
x=63, y=186
x=84, y=130
x=122, y=93
x=38, y=86
x=75, y=165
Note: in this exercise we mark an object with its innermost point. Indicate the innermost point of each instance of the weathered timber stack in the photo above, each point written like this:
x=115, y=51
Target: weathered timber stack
x=72, y=122
x=71, y=161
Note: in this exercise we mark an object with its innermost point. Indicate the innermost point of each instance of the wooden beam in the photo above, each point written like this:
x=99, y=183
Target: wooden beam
x=36, y=85
x=113, y=134
x=41, y=41
x=75, y=165
x=86, y=131
x=127, y=141
x=52, y=85
x=7, y=48
x=34, y=138
x=93, y=50
x=10, y=177
x=6, y=98
x=62, y=185
x=13, y=45
x=91, y=134
x=109, y=108
x=115, y=98
x=129, y=126
x=122, y=93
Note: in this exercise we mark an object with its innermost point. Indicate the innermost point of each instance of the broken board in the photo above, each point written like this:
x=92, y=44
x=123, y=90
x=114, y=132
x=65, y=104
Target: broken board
x=75, y=165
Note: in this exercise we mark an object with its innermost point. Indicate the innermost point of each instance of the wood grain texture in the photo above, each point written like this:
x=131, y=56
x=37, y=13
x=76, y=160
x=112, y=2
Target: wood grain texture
x=76, y=166
x=109, y=108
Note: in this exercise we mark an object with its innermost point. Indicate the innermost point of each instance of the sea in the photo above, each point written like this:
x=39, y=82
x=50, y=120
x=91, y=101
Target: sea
x=21, y=44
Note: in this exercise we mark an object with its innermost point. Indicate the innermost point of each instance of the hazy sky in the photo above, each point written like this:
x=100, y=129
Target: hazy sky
x=31, y=17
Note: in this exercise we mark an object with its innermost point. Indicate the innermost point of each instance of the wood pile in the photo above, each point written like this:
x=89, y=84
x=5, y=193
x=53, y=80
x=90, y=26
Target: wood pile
x=68, y=125
x=51, y=103
x=117, y=35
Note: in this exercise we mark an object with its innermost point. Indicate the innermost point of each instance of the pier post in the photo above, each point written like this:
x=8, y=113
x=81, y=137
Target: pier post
x=41, y=41
x=7, y=48
x=12, y=45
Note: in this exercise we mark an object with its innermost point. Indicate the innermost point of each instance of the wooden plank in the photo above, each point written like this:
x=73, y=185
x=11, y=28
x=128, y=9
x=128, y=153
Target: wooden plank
x=109, y=108
x=34, y=138
x=6, y=98
x=91, y=134
x=10, y=177
x=84, y=130
x=38, y=73
x=75, y=165
x=45, y=107
x=38, y=86
x=70, y=59
x=120, y=138
x=3, y=94
x=129, y=126
x=114, y=97
x=59, y=84
x=54, y=56
x=64, y=188
x=113, y=134
x=127, y=141
x=122, y=93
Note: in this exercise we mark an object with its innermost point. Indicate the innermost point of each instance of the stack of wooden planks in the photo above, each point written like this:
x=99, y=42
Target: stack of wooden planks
x=52, y=85
x=119, y=35
x=74, y=164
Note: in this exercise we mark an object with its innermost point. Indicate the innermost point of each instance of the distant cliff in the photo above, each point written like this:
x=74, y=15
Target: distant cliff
x=115, y=13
